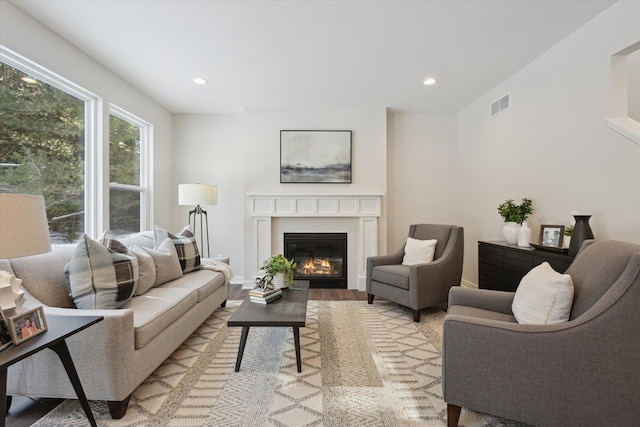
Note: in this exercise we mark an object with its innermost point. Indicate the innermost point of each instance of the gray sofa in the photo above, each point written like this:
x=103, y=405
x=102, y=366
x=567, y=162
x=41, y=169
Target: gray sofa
x=583, y=372
x=117, y=354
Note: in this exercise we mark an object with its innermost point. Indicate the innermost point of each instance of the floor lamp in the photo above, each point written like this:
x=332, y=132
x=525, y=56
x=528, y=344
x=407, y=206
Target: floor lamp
x=198, y=194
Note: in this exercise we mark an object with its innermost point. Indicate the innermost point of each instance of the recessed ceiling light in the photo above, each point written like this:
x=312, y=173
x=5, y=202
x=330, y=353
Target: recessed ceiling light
x=200, y=81
x=429, y=81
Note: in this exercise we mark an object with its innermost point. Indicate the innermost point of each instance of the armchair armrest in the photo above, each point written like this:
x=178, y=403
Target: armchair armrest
x=499, y=301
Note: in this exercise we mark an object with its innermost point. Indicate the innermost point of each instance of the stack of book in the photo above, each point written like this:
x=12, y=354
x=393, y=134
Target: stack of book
x=264, y=296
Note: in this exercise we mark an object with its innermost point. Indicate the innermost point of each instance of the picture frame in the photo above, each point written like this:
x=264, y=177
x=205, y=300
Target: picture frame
x=24, y=326
x=5, y=336
x=315, y=156
x=551, y=235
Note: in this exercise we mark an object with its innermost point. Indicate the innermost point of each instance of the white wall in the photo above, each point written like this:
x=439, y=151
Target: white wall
x=422, y=172
x=552, y=145
x=262, y=156
x=209, y=149
x=25, y=36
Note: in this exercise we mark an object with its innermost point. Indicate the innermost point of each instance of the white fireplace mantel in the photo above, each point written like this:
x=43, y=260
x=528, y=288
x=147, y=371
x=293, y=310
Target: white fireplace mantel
x=365, y=208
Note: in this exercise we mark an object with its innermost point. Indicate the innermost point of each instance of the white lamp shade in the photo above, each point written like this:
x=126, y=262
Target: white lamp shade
x=197, y=194
x=23, y=226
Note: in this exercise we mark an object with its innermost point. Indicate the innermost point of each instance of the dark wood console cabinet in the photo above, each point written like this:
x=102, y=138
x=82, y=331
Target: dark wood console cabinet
x=501, y=266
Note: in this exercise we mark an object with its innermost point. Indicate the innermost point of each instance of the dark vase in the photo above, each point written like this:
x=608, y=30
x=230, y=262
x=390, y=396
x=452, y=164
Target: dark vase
x=581, y=232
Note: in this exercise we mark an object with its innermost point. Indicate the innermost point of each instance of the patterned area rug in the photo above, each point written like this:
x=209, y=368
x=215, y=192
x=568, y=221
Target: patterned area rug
x=362, y=365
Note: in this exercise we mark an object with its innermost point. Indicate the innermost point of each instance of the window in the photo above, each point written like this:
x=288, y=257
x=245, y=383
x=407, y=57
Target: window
x=45, y=123
x=50, y=145
x=128, y=193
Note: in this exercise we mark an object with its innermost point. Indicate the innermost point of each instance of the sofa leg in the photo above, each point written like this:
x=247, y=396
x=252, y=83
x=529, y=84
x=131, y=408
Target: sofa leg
x=416, y=315
x=453, y=415
x=118, y=408
x=224, y=303
x=370, y=298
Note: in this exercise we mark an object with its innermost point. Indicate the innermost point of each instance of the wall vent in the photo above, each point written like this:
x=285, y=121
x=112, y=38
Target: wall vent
x=501, y=104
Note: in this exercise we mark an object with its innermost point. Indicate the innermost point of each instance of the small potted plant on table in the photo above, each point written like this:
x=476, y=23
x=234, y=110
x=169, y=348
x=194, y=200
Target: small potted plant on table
x=514, y=215
x=281, y=271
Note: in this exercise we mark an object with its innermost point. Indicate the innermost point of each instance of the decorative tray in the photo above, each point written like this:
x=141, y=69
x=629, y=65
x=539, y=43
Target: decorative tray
x=550, y=248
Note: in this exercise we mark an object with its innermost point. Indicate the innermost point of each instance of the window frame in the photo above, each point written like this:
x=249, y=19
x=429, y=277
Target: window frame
x=146, y=130
x=96, y=139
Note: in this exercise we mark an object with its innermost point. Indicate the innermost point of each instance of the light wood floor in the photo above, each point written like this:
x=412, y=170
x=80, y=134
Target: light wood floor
x=25, y=412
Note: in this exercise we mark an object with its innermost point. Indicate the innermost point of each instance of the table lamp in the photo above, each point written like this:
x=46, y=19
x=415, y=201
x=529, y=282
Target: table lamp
x=198, y=194
x=23, y=231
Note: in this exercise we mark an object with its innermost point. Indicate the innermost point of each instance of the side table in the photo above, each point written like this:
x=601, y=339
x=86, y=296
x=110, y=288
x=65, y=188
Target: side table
x=59, y=328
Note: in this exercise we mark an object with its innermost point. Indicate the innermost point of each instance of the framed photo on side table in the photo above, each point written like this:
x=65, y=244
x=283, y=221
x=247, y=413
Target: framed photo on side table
x=551, y=235
x=27, y=325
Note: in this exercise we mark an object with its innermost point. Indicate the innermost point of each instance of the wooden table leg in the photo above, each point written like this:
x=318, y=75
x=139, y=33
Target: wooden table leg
x=63, y=352
x=296, y=341
x=243, y=341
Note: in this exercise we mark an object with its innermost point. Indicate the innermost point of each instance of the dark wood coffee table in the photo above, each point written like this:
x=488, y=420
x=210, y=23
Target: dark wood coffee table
x=59, y=328
x=288, y=311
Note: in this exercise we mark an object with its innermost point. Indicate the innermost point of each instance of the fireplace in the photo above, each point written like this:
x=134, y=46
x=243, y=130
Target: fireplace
x=321, y=258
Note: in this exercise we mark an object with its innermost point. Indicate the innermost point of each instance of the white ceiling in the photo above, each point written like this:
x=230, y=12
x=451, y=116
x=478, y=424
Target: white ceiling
x=313, y=53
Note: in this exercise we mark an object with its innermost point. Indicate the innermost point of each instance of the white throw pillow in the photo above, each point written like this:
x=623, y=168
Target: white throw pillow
x=419, y=251
x=543, y=297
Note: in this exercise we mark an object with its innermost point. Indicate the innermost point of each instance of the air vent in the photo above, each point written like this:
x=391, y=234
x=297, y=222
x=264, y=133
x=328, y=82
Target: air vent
x=501, y=104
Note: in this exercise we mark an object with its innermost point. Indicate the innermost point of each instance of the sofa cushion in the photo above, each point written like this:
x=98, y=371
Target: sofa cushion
x=205, y=282
x=418, y=251
x=43, y=276
x=99, y=277
x=154, y=311
x=146, y=268
x=166, y=262
x=395, y=275
x=186, y=246
x=480, y=313
x=543, y=297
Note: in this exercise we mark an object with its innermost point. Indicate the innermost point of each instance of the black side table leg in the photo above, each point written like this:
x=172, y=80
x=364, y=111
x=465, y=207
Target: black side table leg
x=296, y=341
x=243, y=341
x=3, y=397
x=63, y=352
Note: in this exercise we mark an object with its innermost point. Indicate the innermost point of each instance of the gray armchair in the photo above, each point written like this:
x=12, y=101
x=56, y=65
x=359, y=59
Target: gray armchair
x=583, y=372
x=422, y=285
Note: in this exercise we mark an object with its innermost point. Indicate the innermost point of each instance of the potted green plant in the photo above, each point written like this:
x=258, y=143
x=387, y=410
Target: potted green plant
x=514, y=215
x=568, y=231
x=280, y=269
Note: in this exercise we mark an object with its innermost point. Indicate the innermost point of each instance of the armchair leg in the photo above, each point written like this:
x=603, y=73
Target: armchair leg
x=416, y=315
x=117, y=409
x=370, y=298
x=453, y=415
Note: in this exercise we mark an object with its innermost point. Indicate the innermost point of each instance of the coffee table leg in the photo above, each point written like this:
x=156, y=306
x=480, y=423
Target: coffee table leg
x=243, y=341
x=296, y=340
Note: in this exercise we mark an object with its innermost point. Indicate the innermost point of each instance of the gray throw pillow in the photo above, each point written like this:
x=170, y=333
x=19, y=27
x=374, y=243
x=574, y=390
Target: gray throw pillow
x=166, y=261
x=98, y=277
x=186, y=246
x=147, y=268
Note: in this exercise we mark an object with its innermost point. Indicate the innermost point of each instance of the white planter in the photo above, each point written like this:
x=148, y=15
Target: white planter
x=524, y=235
x=510, y=232
x=566, y=241
x=279, y=281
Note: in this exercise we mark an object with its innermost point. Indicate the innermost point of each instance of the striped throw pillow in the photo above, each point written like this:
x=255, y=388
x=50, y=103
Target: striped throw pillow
x=186, y=246
x=99, y=277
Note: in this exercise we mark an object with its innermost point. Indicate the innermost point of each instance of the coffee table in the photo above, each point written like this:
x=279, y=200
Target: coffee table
x=288, y=311
x=59, y=328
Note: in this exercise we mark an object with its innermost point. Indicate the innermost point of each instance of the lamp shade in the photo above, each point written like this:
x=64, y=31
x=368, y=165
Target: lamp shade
x=197, y=194
x=23, y=226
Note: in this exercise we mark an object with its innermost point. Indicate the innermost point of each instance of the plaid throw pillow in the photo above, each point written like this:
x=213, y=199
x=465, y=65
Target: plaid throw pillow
x=186, y=246
x=99, y=277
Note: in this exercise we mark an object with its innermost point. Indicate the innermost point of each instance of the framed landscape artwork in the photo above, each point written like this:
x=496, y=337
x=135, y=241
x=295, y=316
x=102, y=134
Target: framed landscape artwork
x=315, y=156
